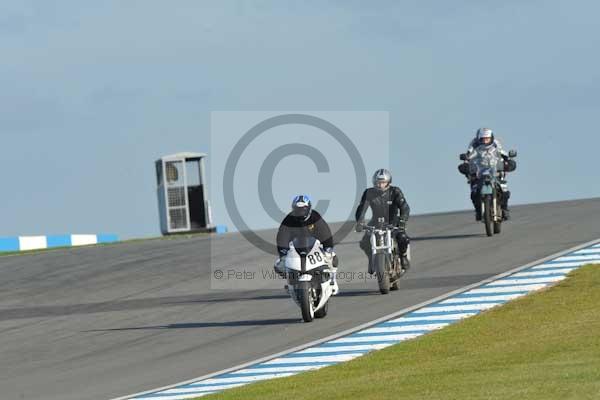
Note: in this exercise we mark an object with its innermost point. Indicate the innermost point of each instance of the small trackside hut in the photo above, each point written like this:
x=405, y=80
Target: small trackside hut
x=183, y=203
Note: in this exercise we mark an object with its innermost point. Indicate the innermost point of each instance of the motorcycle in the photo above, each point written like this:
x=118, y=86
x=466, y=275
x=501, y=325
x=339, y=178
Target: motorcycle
x=385, y=255
x=309, y=273
x=487, y=168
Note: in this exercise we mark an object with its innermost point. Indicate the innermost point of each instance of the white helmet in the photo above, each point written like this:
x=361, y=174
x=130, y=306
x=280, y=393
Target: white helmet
x=483, y=134
x=382, y=175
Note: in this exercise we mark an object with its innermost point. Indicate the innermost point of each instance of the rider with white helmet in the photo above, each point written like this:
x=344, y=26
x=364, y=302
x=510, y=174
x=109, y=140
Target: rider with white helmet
x=386, y=201
x=485, y=140
x=485, y=137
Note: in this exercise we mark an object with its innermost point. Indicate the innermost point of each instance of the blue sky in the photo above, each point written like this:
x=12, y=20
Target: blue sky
x=92, y=93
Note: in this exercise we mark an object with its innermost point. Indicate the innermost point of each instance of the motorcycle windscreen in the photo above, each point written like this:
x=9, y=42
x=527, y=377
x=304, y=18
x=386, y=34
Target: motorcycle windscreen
x=304, y=244
x=486, y=189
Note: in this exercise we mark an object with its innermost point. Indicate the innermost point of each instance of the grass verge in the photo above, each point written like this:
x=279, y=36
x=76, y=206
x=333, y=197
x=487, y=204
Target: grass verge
x=543, y=346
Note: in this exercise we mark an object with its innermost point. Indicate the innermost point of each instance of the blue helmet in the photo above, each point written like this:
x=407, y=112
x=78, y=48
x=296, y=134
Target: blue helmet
x=302, y=206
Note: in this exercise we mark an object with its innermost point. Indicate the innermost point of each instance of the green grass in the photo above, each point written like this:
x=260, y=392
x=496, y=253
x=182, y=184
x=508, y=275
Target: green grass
x=542, y=346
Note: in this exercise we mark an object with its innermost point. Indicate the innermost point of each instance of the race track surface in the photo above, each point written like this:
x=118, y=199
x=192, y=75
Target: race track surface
x=103, y=322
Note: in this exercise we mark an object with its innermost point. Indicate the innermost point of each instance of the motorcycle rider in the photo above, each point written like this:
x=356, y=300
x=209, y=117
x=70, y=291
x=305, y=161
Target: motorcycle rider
x=303, y=220
x=388, y=202
x=485, y=141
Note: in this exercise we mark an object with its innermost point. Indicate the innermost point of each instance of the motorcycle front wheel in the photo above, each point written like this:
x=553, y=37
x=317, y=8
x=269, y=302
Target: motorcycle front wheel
x=487, y=215
x=497, y=227
x=383, y=277
x=397, y=267
x=498, y=223
x=305, y=301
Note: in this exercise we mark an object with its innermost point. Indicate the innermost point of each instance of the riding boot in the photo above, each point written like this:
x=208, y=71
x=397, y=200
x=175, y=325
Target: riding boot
x=279, y=267
x=404, y=262
x=476, y=204
x=505, y=210
x=333, y=282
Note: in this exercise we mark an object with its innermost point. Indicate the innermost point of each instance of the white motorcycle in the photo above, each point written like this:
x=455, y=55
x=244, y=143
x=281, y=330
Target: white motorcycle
x=385, y=257
x=309, y=273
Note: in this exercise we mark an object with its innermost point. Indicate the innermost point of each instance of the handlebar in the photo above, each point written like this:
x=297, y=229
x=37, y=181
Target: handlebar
x=371, y=228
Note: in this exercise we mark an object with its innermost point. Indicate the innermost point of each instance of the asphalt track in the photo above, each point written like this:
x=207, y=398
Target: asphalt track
x=103, y=322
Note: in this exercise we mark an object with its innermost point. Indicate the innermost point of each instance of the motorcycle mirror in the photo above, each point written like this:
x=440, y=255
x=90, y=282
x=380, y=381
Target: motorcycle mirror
x=463, y=157
x=512, y=153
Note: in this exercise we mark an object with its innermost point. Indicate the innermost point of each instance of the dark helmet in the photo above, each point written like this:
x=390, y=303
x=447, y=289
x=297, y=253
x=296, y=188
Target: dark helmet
x=302, y=206
x=382, y=175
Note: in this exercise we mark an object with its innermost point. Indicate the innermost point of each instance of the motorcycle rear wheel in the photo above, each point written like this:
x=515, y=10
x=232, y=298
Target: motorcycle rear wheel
x=323, y=311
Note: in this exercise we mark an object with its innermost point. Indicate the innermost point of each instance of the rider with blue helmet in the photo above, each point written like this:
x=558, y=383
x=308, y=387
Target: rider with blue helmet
x=302, y=220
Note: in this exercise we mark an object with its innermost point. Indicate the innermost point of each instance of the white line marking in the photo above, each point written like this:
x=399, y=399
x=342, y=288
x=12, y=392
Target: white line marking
x=527, y=281
x=538, y=273
x=32, y=242
x=180, y=396
x=560, y=265
x=482, y=298
x=83, y=240
x=398, y=337
x=587, y=251
x=434, y=317
x=357, y=347
x=507, y=289
x=579, y=258
x=405, y=328
x=293, y=369
x=474, y=306
x=332, y=359
x=196, y=390
x=244, y=378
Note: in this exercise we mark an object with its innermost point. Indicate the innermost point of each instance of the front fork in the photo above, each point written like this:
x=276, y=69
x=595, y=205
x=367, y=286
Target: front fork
x=387, y=246
x=301, y=285
x=494, y=207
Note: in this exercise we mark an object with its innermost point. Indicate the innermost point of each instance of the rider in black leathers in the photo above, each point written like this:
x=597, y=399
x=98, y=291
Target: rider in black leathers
x=301, y=221
x=304, y=220
x=388, y=202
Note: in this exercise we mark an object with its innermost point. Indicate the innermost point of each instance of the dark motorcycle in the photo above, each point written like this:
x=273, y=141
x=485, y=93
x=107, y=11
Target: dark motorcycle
x=487, y=169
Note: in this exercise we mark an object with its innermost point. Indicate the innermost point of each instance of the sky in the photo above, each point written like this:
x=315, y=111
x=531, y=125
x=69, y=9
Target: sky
x=91, y=94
